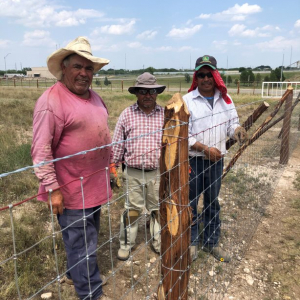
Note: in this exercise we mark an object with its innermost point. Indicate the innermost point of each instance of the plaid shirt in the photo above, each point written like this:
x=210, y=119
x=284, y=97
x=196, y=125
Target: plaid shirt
x=141, y=152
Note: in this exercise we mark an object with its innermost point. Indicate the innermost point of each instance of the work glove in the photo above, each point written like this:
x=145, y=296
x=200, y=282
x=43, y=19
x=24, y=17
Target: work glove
x=114, y=179
x=240, y=135
x=57, y=201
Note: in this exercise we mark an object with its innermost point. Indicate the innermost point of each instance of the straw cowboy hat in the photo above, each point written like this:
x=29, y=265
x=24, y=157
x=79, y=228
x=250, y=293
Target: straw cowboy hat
x=80, y=46
x=146, y=81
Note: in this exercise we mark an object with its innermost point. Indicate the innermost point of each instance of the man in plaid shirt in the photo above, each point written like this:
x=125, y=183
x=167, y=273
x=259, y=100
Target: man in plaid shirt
x=138, y=136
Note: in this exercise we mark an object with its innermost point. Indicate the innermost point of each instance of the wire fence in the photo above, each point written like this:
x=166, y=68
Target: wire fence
x=33, y=259
x=176, y=83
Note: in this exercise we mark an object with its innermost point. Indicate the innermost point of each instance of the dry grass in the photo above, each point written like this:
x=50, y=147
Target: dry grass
x=31, y=220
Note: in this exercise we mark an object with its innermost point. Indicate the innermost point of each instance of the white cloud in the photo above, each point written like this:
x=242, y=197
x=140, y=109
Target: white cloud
x=221, y=46
x=43, y=13
x=235, y=13
x=4, y=43
x=185, y=48
x=38, y=38
x=125, y=28
x=135, y=45
x=278, y=43
x=147, y=35
x=164, y=48
x=184, y=32
x=204, y=16
x=297, y=24
x=241, y=30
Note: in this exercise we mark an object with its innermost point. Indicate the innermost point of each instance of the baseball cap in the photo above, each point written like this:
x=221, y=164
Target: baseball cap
x=206, y=60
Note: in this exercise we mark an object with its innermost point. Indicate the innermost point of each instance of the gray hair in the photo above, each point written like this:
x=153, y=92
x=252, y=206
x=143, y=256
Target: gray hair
x=66, y=60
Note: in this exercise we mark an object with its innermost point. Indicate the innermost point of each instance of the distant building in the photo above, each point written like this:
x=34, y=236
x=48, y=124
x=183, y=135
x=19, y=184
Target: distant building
x=13, y=75
x=39, y=72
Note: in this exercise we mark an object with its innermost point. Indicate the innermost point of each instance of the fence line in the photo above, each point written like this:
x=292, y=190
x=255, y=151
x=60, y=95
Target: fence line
x=244, y=195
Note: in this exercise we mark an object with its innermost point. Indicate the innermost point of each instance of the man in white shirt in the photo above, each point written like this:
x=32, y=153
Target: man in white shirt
x=213, y=118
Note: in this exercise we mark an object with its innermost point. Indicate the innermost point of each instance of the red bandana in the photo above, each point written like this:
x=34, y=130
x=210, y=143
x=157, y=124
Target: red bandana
x=218, y=82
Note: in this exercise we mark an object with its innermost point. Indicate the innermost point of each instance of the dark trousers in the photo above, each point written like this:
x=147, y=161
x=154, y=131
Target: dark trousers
x=80, y=239
x=205, y=177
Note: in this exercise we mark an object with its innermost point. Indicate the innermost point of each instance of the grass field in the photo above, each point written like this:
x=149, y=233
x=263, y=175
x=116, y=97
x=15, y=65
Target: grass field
x=15, y=141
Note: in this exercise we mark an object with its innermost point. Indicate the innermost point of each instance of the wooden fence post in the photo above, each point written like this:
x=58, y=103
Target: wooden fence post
x=37, y=83
x=14, y=82
x=285, y=141
x=238, y=87
x=122, y=84
x=175, y=213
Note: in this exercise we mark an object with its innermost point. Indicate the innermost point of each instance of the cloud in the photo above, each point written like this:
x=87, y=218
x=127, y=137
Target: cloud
x=297, y=24
x=135, y=45
x=184, y=32
x=42, y=13
x=204, y=16
x=221, y=46
x=38, y=38
x=124, y=28
x=278, y=43
x=147, y=35
x=235, y=13
x=4, y=43
x=242, y=31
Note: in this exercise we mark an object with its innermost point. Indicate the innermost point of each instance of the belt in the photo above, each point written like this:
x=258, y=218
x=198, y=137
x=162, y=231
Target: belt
x=145, y=170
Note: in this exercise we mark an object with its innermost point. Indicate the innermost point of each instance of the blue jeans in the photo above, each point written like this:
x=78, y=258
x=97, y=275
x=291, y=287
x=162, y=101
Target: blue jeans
x=86, y=277
x=205, y=177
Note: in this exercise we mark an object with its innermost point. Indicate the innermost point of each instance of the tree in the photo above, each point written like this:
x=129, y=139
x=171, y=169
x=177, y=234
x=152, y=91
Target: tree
x=244, y=76
x=258, y=77
x=106, y=81
x=229, y=79
x=267, y=78
x=187, y=77
x=151, y=70
x=98, y=82
x=242, y=69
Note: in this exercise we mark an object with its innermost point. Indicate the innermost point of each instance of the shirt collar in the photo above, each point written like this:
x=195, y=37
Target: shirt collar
x=156, y=108
x=196, y=94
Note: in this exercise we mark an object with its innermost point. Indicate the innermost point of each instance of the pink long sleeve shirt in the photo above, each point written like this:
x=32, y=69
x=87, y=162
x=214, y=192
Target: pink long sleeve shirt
x=65, y=124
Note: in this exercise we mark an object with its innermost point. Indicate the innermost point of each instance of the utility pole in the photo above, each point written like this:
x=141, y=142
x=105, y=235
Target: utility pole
x=282, y=67
x=5, y=60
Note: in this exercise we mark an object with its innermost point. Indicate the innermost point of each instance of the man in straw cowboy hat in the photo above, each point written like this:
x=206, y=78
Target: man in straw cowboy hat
x=69, y=118
x=213, y=117
x=137, y=139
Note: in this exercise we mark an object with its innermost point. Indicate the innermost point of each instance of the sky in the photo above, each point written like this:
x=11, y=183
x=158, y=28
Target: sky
x=160, y=34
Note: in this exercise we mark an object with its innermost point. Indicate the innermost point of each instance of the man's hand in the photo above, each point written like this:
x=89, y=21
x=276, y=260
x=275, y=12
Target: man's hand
x=240, y=135
x=57, y=201
x=213, y=154
x=114, y=180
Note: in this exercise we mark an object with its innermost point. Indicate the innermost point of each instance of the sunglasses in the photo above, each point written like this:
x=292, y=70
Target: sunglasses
x=146, y=91
x=202, y=75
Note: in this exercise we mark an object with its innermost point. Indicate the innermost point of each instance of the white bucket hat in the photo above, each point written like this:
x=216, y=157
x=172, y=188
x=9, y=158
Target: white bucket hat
x=80, y=46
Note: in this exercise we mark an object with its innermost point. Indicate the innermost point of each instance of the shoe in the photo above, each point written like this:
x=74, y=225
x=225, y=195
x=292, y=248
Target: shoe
x=194, y=253
x=104, y=297
x=218, y=253
x=123, y=254
x=154, y=250
x=69, y=281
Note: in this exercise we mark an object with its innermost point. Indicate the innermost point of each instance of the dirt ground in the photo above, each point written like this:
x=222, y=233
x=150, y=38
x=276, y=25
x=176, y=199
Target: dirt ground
x=270, y=269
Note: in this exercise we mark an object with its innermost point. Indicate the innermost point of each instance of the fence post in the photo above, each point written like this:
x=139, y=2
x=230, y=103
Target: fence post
x=238, y=87
x=14, y=82
x=285, y=141
x=179, y=86
x=37, y=83
x=175, y=217
x=122, y=84
x=253, y=87
x=168, y=86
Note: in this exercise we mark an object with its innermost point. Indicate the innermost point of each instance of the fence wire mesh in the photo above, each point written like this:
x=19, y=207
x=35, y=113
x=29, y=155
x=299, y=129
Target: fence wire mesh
x=33, y=259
